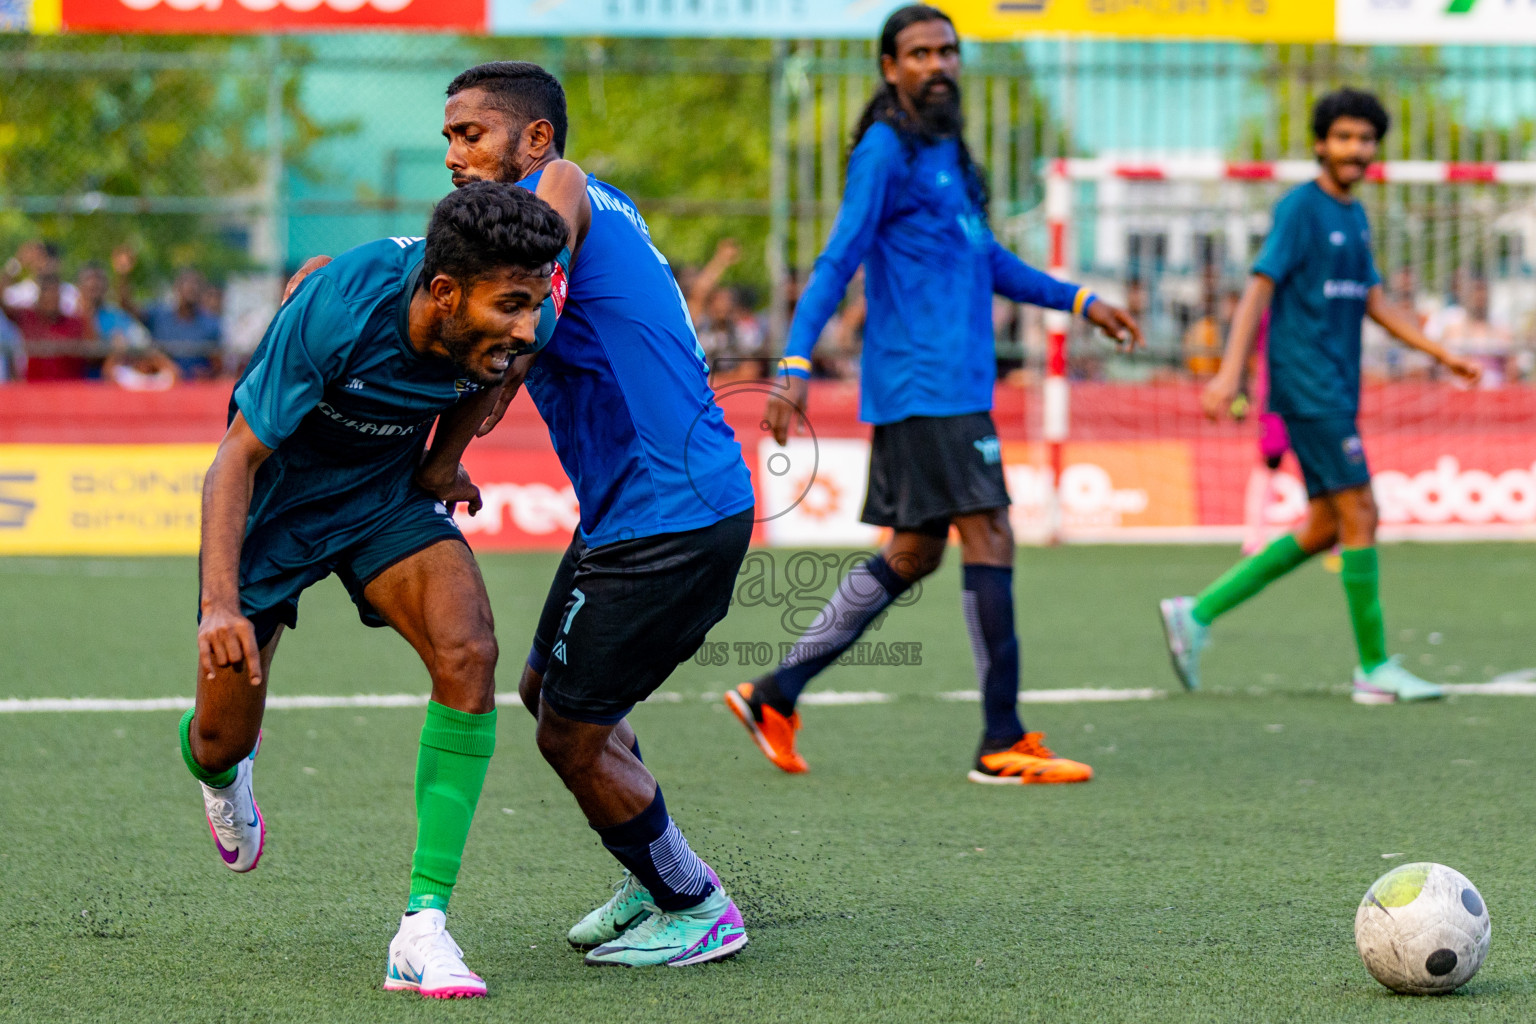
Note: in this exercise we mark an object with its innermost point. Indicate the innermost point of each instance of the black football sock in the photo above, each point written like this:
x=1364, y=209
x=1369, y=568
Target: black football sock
x=652, y=847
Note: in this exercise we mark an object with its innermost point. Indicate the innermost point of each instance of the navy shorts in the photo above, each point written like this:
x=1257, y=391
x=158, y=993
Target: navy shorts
x=925, y=471
x=621, y=617
x=1330, y=452
x=416, y=524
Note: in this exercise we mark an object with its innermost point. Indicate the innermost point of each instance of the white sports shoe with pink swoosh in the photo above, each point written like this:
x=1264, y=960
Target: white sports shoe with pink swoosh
x=424, y=958
x=234, y=819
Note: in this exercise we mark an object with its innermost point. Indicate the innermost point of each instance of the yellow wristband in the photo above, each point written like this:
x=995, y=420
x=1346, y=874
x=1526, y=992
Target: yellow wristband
x=1081, y=300
x=795, y=366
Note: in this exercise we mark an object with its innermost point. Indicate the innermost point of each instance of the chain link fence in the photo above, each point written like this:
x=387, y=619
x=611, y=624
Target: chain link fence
x=242, y=156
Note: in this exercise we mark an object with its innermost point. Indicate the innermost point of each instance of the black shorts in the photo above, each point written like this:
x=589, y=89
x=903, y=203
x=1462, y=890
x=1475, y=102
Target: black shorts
x=925, y=471
x=619, y=618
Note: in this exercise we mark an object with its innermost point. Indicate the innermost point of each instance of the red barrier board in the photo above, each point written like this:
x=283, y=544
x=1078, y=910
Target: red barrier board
x=199, y=16
x=1142, y=464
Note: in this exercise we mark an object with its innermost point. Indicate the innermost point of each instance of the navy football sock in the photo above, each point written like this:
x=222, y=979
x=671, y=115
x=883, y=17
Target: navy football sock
x=863, y=594
x=654, y=850
x=987, y=599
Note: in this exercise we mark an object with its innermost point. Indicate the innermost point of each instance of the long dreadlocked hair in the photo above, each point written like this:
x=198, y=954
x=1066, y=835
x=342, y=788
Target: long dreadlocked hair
x=885, y=106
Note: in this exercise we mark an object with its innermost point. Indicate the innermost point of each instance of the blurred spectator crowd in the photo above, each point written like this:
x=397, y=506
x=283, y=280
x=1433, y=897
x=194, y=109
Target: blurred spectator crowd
x=98, y=327
x=52, y=329
x=1466, y=321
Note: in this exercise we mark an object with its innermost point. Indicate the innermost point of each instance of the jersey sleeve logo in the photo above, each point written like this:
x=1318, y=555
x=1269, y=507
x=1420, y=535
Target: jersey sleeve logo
x=559, y=288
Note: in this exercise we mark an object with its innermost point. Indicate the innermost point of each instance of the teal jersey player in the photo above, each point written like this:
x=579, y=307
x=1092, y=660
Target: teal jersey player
x=346, y=403
x=317, y=475
x=1318, y=281
x=1318, y=254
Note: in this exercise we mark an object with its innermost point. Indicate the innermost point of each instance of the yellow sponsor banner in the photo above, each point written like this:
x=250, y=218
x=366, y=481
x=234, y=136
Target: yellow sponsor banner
x=1280, y=21
x=101, y=499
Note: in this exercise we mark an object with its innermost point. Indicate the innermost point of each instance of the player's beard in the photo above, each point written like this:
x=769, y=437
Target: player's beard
x=462, y=340
x=939, y=112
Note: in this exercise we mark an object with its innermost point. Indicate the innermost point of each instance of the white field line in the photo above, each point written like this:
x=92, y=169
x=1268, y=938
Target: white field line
x=1512, y=684
x=1082, y=695
x=15, y=706
x=832, y=697
x=1497, y=688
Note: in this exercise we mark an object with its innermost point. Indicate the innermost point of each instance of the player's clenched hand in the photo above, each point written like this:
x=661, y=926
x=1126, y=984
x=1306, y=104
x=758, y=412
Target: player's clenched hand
x=784, y=409
x=460, y=489
x=1116, y=324
x=1217, y=397
x=1465, y=369
x=311, y=265
x=226, y=639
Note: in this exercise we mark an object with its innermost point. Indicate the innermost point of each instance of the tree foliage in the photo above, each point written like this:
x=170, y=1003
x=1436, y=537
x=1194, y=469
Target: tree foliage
x=87, y=122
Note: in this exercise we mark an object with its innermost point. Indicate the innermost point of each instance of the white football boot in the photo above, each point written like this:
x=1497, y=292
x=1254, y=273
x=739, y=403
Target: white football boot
x=239, y=832
x=424, y=958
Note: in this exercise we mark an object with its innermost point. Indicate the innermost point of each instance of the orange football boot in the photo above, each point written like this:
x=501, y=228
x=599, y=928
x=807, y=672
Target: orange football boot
x=772, y=732
x=1027, y=761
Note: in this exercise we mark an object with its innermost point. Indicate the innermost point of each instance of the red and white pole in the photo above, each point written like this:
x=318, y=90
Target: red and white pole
x=1054, y=399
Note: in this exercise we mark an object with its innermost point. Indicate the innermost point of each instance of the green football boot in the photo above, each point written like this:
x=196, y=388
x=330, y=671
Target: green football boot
x=710, y=931
x=623, y=911
x=1390, y=683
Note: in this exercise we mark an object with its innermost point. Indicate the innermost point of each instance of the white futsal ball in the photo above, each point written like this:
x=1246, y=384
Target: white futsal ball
x=1422, y=929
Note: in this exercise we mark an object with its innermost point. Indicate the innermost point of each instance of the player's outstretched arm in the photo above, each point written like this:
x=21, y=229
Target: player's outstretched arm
x=225, y=637
x=873, y=166
x=1404, y=326
x=1014, y=279
x=1217, y=398
x=563, y=185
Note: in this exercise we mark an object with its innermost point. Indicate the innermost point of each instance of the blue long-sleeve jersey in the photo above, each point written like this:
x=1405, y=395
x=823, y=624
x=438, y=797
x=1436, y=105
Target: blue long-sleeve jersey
x=931, y=267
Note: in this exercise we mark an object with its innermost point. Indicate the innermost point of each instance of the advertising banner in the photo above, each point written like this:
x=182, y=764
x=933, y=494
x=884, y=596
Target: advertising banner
x=101, y=499
x=529, y=504
x=196, y=16
x=790, y=19
x=15, y=15
x=1429, y=487
x=144, y=499
x=1436, y=22
x=1255, y=20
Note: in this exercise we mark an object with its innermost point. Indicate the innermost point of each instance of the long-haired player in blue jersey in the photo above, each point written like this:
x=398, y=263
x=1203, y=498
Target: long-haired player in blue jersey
x=666, y=516
x=914, y=214
x=314, y=476
x=1317, y=279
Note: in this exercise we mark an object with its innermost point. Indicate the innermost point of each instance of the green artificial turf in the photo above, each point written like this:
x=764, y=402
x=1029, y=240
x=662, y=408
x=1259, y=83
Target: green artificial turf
x=1210, y=872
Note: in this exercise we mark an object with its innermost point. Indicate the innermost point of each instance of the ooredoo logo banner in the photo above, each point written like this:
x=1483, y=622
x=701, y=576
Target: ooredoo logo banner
x=271, y=15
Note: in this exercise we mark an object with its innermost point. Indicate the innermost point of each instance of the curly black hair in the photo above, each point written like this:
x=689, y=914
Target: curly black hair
x=1349, y=103
x=522, y=90
x=487, y=225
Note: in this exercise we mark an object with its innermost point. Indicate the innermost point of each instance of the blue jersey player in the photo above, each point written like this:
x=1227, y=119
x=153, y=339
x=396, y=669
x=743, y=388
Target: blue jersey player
x=315, y=476
x=915, y=215
x=666, y=516
x=1316, y=277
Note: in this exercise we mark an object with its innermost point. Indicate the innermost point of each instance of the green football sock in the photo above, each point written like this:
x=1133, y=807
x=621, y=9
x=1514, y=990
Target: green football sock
x=218, y=780
x=1362, y=588
x=455, y=752
x=1247, y=578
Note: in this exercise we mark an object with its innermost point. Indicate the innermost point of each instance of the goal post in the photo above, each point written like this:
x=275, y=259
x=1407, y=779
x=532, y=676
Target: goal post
x=1118, y=451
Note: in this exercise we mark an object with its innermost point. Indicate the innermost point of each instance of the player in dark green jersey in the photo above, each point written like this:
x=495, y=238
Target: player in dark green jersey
x=316, y=476
x=1317, y=279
